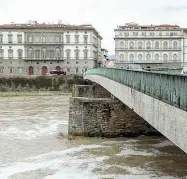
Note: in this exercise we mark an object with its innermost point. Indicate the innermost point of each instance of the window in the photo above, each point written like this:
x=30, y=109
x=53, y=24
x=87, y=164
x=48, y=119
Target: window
x=44, y=39
x=68, y=39
x=151, y=33
x=19, y=38
x=77, y=70
x=10, y=38
x=157, y=45
x=76, y=39
x=140, y=45
x=85, y=54
x=121, y=44
x=20, y=53
x=165, y=57
x=140, y=57
x=131, y=57
x=68, y=54
x=44, y=53
x=131, y=45
x=10, y=53
x=51, y=54
x=160, y=33
x=10, y=70
x=165, y=45
x=57, y=39
x=143, y=33
x=58, y=53
x=1, y=38
x=1, y=69
x=126, y=34
x=37, y=55
x=30, y=39
x=148, y=45
x=156, y=57
x=85, y=39
x=121, y=57
x=30, y=53
x=1, y=53
x=148, y=57
x=175, y=57
x=77, y=62
x=135, y=33
x=175, y=45
x=77, y=54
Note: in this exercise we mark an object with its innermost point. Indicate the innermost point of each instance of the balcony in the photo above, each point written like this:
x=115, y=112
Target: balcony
x=148, y=49
x=148, y=37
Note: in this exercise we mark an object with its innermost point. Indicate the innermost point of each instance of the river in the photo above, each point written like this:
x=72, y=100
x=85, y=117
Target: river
x=32, y=147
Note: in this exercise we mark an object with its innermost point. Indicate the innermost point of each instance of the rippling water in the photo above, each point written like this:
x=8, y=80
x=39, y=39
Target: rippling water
x=31, y=146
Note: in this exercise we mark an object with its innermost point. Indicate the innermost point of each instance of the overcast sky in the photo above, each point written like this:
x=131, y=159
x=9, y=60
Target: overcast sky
x=104, y=15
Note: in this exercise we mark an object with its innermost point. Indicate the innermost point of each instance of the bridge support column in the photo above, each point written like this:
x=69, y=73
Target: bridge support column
x=97, y=114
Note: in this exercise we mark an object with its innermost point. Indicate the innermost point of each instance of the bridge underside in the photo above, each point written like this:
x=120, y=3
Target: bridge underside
x=167, y=119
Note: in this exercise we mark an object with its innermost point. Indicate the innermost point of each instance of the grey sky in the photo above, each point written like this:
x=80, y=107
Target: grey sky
x=105, y=15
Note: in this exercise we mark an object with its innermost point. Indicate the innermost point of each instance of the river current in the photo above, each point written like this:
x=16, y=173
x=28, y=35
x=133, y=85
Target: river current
x=32, y=146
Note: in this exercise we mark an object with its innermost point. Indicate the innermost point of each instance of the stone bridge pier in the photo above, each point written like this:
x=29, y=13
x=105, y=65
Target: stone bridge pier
x=93, y=112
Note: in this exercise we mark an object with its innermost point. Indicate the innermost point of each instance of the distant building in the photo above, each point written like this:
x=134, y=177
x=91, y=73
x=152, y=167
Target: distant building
x=104, y=55
x=150, y=45
x=35, y=49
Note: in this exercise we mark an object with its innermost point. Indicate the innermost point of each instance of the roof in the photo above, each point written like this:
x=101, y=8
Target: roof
x=137, y=26
x=49, y=27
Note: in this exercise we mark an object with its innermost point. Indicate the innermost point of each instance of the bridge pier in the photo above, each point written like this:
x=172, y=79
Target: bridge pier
x=94, y=113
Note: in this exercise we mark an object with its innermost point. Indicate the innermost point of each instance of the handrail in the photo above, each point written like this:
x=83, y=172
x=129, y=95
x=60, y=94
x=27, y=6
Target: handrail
x=170, y=88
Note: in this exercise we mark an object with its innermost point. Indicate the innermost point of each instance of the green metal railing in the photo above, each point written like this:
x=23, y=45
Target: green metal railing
x=170, y=88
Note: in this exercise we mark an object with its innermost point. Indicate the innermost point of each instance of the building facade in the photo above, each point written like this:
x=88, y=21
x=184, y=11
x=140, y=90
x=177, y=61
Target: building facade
x=35, y=49
x=152, y=46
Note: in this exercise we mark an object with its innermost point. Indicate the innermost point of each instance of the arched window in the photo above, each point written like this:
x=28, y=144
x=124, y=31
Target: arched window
x=31, y=70
x=175, y=45
x=44, y=70
x=156, y=57
x=58, y=53
x=20, y=53
x=148, y=45
x=131, y=45
x=157, y=45
x=44, y=52
x=165, y=57
x=1, y=53
x=140, y=45
x=131, y=57
x=30, y=53
x=121, y=44
x=175, y=57
x=121, y=57
x=140, y=57
x=10, y=53
x=148, y=57
x=58, y=68
x=85, y=54
x=165, y=45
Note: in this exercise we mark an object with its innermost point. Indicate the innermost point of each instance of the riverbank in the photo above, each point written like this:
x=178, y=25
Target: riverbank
x=42, y=83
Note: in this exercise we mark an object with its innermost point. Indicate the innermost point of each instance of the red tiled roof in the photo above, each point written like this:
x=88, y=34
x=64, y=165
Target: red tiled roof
x=46, y=26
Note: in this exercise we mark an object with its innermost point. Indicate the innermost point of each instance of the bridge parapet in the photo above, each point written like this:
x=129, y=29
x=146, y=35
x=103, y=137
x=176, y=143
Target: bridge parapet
x=169, y=88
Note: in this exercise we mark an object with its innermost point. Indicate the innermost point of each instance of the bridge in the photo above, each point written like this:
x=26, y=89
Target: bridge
x=159, y=98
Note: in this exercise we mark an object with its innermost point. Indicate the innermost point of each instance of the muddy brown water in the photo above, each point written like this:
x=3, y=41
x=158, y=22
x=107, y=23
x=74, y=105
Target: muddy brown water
x=31, y=146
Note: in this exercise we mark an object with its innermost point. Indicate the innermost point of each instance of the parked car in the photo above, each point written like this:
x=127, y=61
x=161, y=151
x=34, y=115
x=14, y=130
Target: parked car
x=57, y=72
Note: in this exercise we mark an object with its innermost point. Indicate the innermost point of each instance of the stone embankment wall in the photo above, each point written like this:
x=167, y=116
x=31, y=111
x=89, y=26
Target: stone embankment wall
x=55, y=83
x=97, y=114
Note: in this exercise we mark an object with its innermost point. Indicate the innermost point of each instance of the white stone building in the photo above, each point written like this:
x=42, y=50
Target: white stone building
x=152, y=46
x=35, y=49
